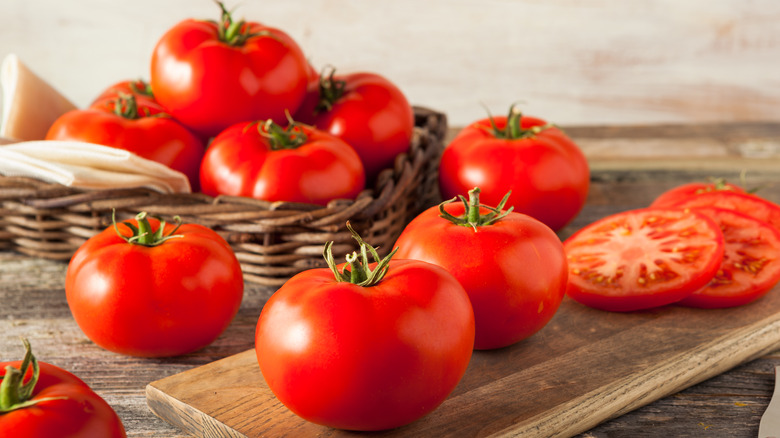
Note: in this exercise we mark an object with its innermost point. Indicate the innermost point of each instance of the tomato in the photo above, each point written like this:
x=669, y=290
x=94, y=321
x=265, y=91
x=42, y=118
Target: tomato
x=546, y=172
x=371, y=346
x=39, y=400
x=512, y=266
x=367, y=111
x=294, y=164
x=138, y=88
x=139, y=127
x=642, y=258
x=145, y=288
x=746, y=203
x=211, y=75
x=750, y=266
x=684, y=191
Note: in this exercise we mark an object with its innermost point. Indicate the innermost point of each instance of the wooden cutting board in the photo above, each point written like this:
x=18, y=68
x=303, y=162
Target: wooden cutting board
x=584, y=367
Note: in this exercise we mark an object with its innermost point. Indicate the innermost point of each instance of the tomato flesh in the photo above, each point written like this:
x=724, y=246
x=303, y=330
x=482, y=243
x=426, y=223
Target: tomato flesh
x=751, y=262
x=642, y=258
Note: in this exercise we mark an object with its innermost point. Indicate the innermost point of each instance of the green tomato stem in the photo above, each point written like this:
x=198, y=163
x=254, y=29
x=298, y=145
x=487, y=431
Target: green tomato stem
x=513, y=129
x=472, y=216
x=331, y=90
x=14, y=393
x=234, y=33
x=290, y=137
x=143, y=234
x=357, y=270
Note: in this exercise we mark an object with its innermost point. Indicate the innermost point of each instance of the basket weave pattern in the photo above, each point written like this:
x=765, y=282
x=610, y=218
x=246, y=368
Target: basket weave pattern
x=272, y=240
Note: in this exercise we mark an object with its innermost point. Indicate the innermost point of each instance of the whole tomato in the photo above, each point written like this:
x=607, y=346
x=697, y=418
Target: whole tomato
x=210, y=75
x=138, y=88
x=296, y=163
x=137, y=126
x=546, y=172
x=512, y=266
x=365, y=110
x=149, y=288
x=368, y=346
x=686, y=191
x=39, y=400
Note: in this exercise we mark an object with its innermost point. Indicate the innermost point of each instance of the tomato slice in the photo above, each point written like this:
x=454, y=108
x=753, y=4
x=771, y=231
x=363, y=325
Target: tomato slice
x=642, y=258
x=745, y=203
x=750, y=266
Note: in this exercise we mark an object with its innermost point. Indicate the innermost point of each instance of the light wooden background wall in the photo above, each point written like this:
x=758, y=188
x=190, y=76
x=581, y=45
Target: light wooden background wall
x=575, y=62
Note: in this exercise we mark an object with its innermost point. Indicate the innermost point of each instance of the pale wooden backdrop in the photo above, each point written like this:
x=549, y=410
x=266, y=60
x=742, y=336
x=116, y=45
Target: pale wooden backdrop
x=575, y=62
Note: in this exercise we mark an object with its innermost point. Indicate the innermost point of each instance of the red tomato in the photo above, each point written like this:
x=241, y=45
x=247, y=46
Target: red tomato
x=154, y=295
x=748, y=204
x=138, y=88
x=51, y=403
x=293, y=164
x=684, y=191
x=211, y=75
x=377, y=348
x=365, y=110
x=481, y=248
x=546, y=172
x=750, y=266
x=642, y=258
x=135, y=126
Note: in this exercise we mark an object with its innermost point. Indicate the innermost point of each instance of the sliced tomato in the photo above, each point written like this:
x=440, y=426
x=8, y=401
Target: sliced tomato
x=642, y=258
x=750, y=266
x=683, y=191
x=751, y=205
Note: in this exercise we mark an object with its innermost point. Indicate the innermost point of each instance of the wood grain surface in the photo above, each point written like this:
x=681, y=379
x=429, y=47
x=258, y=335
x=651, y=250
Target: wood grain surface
x=32, y=299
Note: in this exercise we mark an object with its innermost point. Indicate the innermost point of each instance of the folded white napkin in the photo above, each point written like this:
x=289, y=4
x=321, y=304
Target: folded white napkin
x=30, y=104
x=88, y=166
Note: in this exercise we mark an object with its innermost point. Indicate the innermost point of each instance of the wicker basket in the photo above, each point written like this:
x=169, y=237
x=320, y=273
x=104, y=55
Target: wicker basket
x=272, y=240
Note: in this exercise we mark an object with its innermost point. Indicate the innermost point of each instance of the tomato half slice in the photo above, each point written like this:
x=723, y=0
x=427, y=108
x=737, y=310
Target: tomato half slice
x=750, y=266
x=642, y=258
x=745, y=203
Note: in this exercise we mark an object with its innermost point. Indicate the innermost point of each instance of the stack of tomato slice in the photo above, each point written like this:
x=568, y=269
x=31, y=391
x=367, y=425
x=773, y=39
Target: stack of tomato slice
x=708, y=245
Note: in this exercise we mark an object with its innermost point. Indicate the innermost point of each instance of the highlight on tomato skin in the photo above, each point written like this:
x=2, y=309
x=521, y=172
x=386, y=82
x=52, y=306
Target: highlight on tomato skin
x=750, y=266
x=643, y=258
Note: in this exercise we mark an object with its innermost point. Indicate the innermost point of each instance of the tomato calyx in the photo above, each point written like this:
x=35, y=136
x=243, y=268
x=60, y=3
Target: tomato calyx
x=291, y=136
x=14, y=393
x=473, y=217
x=357, y=270
x=143, y=234
x=513, y=129
x=234, y=33
x=331, y=90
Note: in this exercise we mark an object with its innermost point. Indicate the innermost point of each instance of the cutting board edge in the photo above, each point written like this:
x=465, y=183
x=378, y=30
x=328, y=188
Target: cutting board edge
x=532, y=427
x=181, y=415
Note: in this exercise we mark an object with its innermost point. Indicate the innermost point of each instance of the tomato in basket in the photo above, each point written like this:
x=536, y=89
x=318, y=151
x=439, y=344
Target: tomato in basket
x=140, y=89
x=643, y=258
x=366, y=345
x=512, y=266
x=750, y=265
x=546, y=172
x=295, y=163
x=364, y=109
x=213, y=74
x=153, y=289
x=40, y=400
x=136, y=125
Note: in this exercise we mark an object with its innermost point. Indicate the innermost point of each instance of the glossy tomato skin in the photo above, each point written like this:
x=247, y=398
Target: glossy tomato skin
x=366, y=358
x=642, y=258
x=684, y=191
x=513, y=270
x=750, y=266
x=241, y=162
x=152, y=135
x=210, y=85
x=547, y=173
x=372, y=115
x=166, y=300
x=80, y=413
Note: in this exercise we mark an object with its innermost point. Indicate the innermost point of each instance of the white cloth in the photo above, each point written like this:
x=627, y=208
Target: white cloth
x=88, y=166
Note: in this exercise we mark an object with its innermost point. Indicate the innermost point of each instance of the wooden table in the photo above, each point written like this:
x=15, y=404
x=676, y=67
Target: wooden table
x=630, y=166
